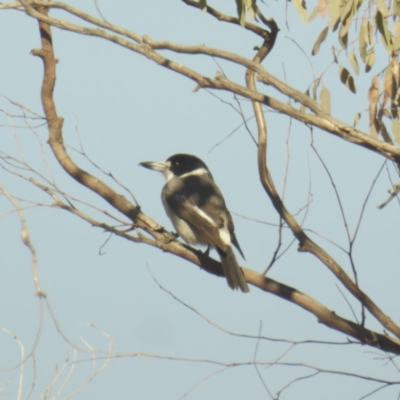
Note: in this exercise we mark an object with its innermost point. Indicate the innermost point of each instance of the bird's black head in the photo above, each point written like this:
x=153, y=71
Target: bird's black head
x=181, y=164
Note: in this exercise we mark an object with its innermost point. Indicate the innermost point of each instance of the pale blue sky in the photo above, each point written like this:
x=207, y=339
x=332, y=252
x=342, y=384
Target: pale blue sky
x=127, y=110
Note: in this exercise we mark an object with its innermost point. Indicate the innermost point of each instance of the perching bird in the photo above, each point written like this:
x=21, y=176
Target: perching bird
x=195, y=206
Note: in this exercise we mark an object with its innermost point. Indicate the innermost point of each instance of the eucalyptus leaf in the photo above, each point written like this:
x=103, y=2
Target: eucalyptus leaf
x=325, y=100
x=322, y=36
x=347, y=79
x=300, y=6
x=354, y=62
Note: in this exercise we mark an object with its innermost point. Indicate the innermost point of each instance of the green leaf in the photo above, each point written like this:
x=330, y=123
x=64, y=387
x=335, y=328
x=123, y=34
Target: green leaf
x=303, y=108
x=373, y=97
x=334, y=53
x=334, y=10
x=383, y=29
x=389, y=84
x=251, y=8
x=315, y=87
x=314, y=14
x=325, y=100
x=357, y=119
x=382, y=7
x=322, y=36
x=203, y=5
x=347, y=79
x=343, y=36
x=374, y=129
x=343, y=31
x=396, y=130
x=300, y=6
x=394, y=112
x=386, y=113
x=370, y=58
x=396, y=39
x=385, y=134
x=369, y=31
x=395, y=66
x=357, y=5
x=336, y=25
x=361, y=42
x=241, y=12
x=396, y=8
x=354, y=62
x=347, y=10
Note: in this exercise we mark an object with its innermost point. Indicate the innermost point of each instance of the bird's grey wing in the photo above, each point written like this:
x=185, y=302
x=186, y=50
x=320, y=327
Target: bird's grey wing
x=218, y=204
x=207, y=229
x=231, y=228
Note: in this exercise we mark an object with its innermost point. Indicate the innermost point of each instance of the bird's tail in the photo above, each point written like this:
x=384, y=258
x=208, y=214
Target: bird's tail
x=232, y=271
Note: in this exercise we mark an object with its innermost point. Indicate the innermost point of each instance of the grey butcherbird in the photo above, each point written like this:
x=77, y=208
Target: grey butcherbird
x=197, y=209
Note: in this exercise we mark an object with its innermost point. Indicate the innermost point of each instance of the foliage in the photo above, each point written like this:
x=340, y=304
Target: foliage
x=361, y=27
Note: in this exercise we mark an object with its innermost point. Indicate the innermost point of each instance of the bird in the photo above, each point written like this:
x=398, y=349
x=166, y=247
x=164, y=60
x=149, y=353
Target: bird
x=196, y=208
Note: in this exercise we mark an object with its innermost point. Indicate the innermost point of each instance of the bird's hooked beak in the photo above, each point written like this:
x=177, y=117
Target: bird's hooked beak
x=156, y=166
x=163, y=167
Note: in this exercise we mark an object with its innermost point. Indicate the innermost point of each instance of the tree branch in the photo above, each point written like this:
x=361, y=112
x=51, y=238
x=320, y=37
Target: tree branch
x=305, y=243
x=226, y=18
x=146, y=48
x=162, y=238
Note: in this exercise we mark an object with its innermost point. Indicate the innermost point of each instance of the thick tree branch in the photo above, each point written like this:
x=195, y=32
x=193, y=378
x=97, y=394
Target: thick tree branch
x=323, y=314
x=146, y=47
x=55, y=124
x=161, y=238
x=305, y=243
